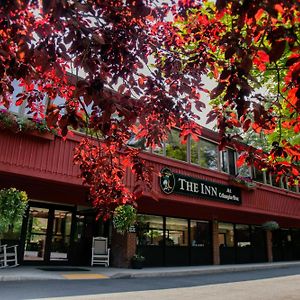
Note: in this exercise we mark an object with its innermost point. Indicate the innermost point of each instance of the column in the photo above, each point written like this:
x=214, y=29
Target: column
x=269, y=246
x=123, y=247
x=215, y=241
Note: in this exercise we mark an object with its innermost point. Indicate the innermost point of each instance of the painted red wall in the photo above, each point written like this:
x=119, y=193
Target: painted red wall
x=46, y=169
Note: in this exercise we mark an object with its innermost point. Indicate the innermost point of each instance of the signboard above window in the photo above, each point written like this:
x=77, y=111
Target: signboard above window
x=173, y=183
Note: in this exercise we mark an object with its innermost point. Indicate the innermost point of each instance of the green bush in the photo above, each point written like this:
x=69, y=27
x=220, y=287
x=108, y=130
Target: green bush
x=12, y=207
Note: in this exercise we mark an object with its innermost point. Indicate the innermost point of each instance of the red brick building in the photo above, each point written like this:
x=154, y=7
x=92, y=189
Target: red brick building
x=195, y=214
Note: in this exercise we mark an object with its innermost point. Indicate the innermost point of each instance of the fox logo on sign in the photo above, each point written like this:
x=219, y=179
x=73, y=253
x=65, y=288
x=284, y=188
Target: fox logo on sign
x=167, y=181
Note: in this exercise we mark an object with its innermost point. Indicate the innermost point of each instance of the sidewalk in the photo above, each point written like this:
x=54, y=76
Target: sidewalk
x=73, y=273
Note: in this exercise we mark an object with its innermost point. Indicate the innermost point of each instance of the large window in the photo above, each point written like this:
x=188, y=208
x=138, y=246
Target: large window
x=228, y=161
x=166, y=241
x=200, y=234
x=150, y=230
x=205, y=154
x=226, y=235
x=174, y=148
x=176, y=232
x=195, y=152
x=208, y=155
x=242, y=235
x=258, y=175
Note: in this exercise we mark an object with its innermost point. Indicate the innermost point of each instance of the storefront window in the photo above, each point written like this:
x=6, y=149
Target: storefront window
x=174, y=148
x=149, y=230
x=200, y=234
x=226, y=235
x=176, y=232
x=208, y=155
x=242, y=235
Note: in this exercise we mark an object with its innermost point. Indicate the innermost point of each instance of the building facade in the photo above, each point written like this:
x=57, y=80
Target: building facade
x=197, y=212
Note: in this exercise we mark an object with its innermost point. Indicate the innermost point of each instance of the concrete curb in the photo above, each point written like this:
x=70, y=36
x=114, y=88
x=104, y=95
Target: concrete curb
x=32, y=273
x=225, y=269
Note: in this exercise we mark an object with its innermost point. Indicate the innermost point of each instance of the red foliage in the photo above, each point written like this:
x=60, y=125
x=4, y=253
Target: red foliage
x=111, y=42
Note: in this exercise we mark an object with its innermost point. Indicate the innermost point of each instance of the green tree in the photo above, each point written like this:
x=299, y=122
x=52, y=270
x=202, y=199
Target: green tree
x=12, y=207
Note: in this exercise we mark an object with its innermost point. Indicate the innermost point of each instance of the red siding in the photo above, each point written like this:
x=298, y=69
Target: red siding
x=261, y=204
x=46, y=160
x=36, y=157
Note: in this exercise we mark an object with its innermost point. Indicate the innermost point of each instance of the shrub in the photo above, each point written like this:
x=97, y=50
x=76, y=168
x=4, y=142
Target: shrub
x=124, y=217
x=12, y=207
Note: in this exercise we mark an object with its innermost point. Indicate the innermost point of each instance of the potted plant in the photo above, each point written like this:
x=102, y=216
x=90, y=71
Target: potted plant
x=137, y=261
x=243, y=182
x=124, y=217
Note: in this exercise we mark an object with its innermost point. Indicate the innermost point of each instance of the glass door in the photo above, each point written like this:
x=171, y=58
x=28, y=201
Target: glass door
x=35, y=243
x=60, y=237
x=48, y=234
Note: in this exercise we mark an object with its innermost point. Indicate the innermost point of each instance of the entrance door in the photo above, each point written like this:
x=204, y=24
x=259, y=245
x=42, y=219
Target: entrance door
x=61, y=235
x=37, y=228
x=48, y=235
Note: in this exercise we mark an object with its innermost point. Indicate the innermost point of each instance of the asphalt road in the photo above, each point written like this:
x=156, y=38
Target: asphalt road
x=275, y=284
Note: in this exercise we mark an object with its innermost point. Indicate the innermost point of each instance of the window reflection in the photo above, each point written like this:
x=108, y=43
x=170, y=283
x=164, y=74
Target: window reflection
x=226, y=235
x=242, y=235
x=200, y=234
x=195, y=152
x=205, y=154
x=208, y=155
x=176, y=232
x=149, y=230
x=36, y=234
x=258, y=175
x=174, y=148
x=61, y=235
x=228, y=161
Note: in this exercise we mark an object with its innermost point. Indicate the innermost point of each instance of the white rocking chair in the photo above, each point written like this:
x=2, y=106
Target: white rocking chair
x=100, y=252
x=8, y=256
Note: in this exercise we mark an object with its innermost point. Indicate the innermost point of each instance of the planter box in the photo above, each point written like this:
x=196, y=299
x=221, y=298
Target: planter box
x=247, y=187
x=137, y=264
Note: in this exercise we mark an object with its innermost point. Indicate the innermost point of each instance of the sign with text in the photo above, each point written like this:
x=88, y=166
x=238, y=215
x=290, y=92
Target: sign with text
x=180, y=184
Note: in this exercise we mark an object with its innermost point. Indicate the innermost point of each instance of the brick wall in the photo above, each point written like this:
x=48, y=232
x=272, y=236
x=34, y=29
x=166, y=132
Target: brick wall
x=123, y=247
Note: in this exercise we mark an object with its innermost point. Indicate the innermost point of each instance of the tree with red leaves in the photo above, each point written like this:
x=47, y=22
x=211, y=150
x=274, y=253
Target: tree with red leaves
x=251, y=49
x=139, y=67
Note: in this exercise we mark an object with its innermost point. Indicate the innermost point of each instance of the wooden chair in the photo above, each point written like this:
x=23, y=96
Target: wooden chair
x=8, y=256
x=100, y=252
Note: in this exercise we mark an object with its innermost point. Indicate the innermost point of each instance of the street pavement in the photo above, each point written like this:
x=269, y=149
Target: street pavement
x=286, y=288
x=273, y=283
x=79, y=273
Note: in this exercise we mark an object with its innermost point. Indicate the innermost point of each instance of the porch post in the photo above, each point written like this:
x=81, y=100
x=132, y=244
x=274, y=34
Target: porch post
x=215, y=243
x=269, y=246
